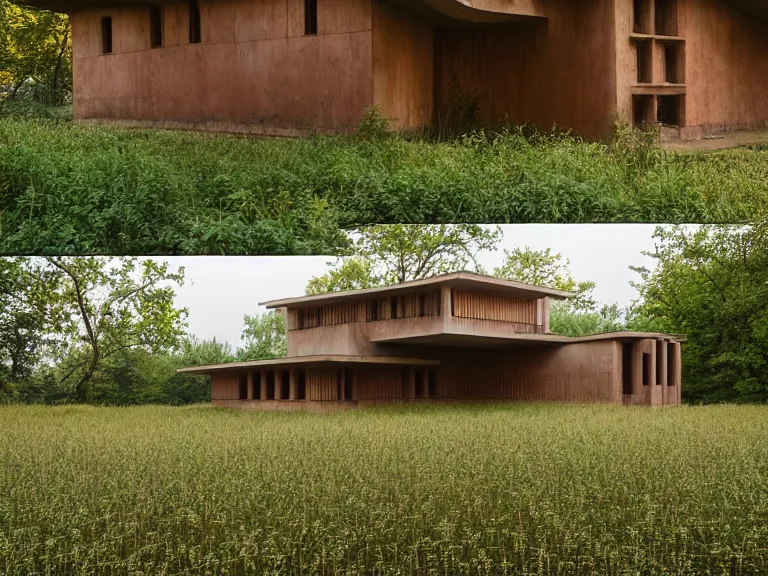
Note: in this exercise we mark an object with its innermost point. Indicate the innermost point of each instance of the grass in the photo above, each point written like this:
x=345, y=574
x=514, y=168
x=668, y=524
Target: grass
x=515, y=489
x=66, y=187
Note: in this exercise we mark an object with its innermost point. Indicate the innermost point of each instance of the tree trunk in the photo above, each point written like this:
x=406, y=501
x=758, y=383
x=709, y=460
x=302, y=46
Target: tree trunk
x=57, y=71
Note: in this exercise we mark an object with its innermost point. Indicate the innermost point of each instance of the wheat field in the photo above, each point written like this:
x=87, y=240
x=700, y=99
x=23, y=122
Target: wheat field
x=491, y=489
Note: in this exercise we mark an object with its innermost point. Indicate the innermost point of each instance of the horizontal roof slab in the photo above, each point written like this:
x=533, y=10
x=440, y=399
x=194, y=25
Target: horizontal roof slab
x=478, y=340
x=464, y=280
x=309, y=360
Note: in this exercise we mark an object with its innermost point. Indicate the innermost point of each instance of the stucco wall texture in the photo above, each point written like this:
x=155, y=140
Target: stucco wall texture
x=560, y=62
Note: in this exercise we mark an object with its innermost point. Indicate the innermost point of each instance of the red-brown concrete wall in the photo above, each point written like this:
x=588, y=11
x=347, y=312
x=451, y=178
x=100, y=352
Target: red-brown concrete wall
x=555, y=71
x=727, y=67
x=253, y=71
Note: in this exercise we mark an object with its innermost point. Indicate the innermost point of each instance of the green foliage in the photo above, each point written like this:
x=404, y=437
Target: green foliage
x=518, y=489
x=543, y=268
x=383, y=255
x=567, y=321
x=264, y=337
x=374, y=125
x=35, y=55
x=712, y=286
x=67, y=187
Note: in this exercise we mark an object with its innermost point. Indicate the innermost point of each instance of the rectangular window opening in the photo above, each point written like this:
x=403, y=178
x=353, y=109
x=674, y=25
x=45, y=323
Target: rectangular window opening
x=285, y=385
x=373, y=311
x=666, y=18
x=270, y=385
x=646, y=369
x=659, y=364
x=671, y=365
x=348, y=379
x=626, y=368
x=668, y=110
x=642, y=111
x=257, y=386
x=432, y=384
x=422, y=305
x=301, y=385
x=243, y=381
x=644, y=62
x=641, y=17
x=310, y=17
x=393, y=304
x=673, y=63
x=155, y=26
x=194, y=22
x=106, y=35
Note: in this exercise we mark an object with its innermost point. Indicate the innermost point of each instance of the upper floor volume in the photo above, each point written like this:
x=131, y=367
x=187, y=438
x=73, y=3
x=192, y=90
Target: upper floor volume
x=454, y=337
x=291, y=66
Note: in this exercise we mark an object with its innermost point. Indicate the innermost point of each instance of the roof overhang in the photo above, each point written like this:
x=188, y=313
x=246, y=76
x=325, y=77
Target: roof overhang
x=466, y=280
x=323, y=360
x=470, y=12
x=457, y=338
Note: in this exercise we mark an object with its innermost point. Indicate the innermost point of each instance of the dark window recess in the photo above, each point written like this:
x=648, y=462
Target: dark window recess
x=310, y=17
x=642, y=110
x=301, y=385
x=270, y=385
x=644, y=59
x=671, y=365
x=659, y=364
x=155, y=26
x=626, y=368
x=348, y=379
x=340, y=385
x=646, y=369
x=106, y=35
x=668, y=110
x=406, y=385
x=243, y=386
x=257, y=386
x=419, y=384
x=673, y=63
x=642, y=16
x=422, y=304
x=373, y=311
x=666, y=17
x=194, y=22
x=393, y=304
x=432, y=384
x=285, y=385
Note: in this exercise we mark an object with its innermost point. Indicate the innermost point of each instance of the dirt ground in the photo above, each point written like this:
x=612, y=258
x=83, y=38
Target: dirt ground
x=719, y=141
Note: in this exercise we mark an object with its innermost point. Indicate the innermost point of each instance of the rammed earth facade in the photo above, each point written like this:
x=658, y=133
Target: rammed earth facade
x=454, y=338
x=294, y=66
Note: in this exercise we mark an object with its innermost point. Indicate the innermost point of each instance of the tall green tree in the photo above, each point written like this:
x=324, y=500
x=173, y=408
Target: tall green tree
x=102, y=307
x=35, y=50
x=264, y=337
x=711, y=284
x=391, y=254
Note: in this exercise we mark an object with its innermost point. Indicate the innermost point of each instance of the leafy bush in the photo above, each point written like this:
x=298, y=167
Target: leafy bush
x=86, y=188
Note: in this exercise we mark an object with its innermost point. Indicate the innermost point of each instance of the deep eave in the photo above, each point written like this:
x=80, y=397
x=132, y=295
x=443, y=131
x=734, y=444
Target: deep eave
x=310, y=360
x=466, y=280
x=477, y=339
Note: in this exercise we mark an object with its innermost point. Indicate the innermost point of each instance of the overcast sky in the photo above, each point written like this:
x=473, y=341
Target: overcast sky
x=220, y=290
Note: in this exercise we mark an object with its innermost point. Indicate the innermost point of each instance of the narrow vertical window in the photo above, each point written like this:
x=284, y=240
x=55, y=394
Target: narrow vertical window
x=301, y=385
x=432, y=384
x=646, y=369
x=626, y=370
x=422, y=305
x=671, y=365
x=340, y=385
x=106, y=35
x=348, y=379
x=194, y=22
x=257, y=386
x=243, y=381
x=285, y=385
x=310, y=17
x=270, y=385
x=155, y=26
x=393, y=304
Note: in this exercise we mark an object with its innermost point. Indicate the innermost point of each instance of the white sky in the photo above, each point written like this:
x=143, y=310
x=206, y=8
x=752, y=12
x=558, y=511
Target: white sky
x=219, y=290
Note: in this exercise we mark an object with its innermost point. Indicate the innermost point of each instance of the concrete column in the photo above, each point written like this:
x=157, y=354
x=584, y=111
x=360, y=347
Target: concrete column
x=263, y=379
x=250, y=385
x=293, y=384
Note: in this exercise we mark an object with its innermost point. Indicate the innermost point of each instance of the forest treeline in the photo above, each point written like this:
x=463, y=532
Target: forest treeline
x=107, y=330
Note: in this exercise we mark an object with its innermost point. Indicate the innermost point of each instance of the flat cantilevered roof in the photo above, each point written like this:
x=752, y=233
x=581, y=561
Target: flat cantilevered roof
x=466, y=280
x=309, y=360
x=459, y=338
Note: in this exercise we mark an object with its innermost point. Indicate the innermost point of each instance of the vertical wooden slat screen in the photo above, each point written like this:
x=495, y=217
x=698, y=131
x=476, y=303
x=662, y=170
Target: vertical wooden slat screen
x=494, y=307
x=380, y=384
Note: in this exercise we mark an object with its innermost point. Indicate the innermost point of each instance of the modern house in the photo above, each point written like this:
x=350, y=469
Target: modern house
x=455, y=337
x=293, y=66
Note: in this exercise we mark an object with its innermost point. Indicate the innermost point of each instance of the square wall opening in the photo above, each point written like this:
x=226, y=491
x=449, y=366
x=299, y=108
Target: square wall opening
x=641, y=17
x=666, y=18
x=644, y=51
x=674, y=63
x=669, y=110
x=643, y=110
